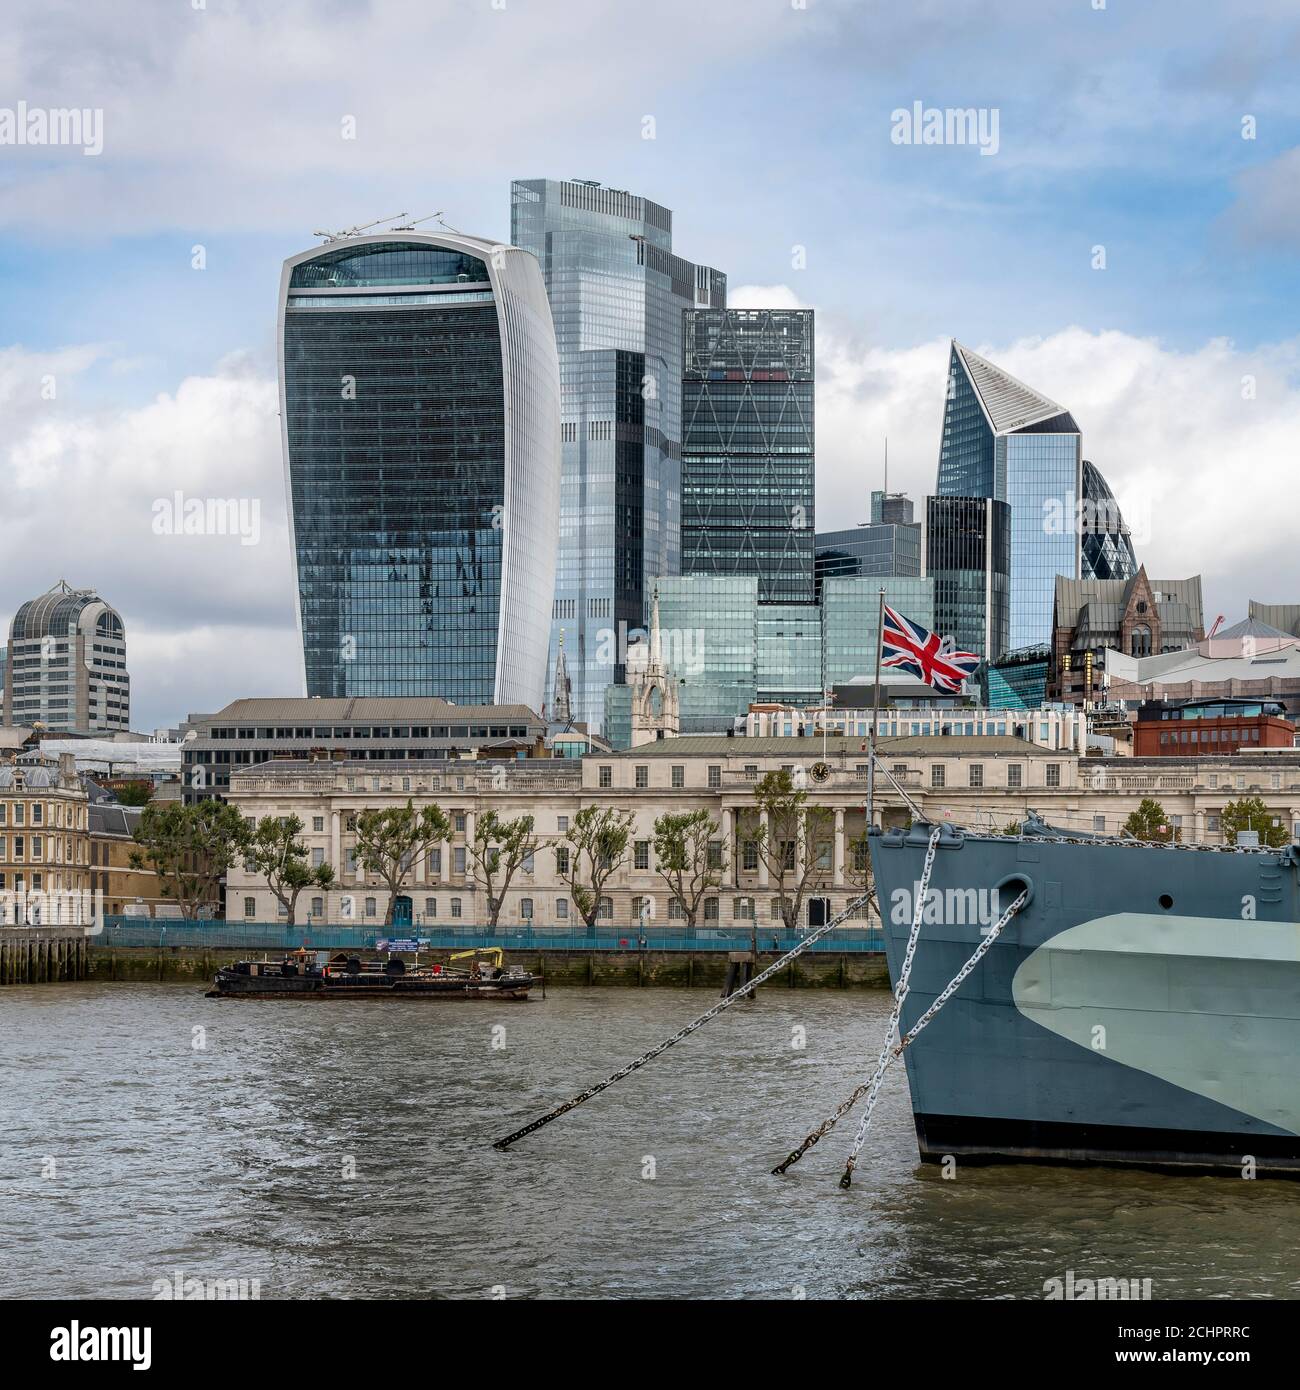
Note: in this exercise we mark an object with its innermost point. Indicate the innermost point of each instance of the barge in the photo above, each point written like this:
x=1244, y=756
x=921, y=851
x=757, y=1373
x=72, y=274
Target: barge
x=300, y=975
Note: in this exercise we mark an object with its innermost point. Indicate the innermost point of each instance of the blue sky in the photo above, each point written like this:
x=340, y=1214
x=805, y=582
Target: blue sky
x=1119, y=127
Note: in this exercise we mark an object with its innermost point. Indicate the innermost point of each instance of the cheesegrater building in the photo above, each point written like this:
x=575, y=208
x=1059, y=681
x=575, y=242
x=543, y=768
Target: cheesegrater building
x=419, y=403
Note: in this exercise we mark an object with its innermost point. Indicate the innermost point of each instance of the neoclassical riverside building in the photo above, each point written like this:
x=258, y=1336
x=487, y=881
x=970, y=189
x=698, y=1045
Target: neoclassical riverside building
x=983, y=782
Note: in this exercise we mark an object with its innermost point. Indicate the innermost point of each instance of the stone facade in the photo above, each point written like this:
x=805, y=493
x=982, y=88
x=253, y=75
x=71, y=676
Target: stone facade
x=983, y=782
x=44, y=845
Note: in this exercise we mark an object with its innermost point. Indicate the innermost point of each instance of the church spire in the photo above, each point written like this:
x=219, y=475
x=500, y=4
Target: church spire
x=562, y=689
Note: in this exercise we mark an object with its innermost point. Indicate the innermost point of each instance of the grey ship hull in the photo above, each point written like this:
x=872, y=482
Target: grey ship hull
x=1144, y=1007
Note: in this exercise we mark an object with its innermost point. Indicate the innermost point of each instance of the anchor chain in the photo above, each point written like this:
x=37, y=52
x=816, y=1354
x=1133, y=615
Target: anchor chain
x=900, y=994
x=815, y=935
x=846, y=1178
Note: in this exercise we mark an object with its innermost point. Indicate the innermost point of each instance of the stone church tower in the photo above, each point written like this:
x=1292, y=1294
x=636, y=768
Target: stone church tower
x=655, y=693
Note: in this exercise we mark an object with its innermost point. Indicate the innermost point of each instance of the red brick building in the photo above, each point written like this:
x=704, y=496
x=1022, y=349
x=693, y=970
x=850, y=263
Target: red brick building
x=1199, y=728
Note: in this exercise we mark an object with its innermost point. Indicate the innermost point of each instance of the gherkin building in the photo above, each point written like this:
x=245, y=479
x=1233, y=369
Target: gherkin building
x=1107, y=546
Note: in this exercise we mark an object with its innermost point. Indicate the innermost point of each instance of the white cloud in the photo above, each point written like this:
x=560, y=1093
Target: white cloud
x=1206, y=443
x=207, y=617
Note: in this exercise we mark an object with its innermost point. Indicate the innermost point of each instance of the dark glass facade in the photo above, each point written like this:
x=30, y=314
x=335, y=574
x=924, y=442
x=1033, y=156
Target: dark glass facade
x=1003, y=440
x=1107, y=545
x=421, y=442
x=1018, y=680
x=966, y=450
x=748, y=458
x=968, y=556
x=878, y=551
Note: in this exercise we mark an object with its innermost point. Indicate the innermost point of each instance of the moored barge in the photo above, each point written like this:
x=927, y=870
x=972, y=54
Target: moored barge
x=300, y=975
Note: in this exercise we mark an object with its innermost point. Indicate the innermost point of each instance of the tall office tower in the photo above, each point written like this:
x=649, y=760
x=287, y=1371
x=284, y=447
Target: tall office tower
x=617, y=295
x=1107, y=544
x=880, y=550
x=66, y=664
x=1004, y=440
x=891, y=509
x=420, y=417
x=968, y=554
x=748, y=470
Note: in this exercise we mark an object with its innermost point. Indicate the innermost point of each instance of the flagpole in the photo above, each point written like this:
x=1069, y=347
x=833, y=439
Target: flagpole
x=875, y=713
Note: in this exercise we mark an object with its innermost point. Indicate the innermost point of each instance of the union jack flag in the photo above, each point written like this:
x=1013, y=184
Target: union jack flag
x=912, y=648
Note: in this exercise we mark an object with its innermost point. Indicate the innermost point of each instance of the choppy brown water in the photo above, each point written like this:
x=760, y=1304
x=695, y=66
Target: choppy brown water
x=228, y=1161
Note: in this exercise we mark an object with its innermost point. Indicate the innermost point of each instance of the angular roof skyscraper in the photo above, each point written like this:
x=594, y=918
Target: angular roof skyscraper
x=1003, y=439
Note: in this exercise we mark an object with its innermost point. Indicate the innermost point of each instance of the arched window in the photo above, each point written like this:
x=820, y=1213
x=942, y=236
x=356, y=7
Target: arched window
x=1140, y=642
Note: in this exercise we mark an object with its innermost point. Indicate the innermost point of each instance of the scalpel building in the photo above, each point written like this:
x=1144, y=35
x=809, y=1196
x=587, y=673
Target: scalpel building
x=420, y=419
x=1004, y=440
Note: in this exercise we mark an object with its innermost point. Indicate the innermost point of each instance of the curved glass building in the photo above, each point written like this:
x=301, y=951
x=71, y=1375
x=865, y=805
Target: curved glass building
x=66, y=664
x=420, y=421
x=1107, y=545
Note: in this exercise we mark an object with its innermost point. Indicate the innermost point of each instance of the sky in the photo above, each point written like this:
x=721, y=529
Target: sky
x=1125, y=239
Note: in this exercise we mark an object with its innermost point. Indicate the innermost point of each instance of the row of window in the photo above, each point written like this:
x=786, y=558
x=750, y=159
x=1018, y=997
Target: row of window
x=16, y=848
x=348, y=731
x=42, y=813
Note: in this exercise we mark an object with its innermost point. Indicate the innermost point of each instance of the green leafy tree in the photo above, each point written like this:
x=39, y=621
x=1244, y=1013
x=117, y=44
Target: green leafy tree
x=391, y=841
x=1149, y=822
x=593, y=849
x=277, y=853
x=858, y=871
x=498, y=850
x=135, y=794
x=190, y=848
x=682, y=858
x=788, y=812
x=1250, y=813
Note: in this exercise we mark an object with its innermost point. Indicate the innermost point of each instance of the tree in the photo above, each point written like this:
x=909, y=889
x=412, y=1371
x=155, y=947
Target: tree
x=190, y=848
x=788, y=817
x=135, y=794
x=592, y=849
x=282, y=859
x=1149, y=822
x=1250, y=813
x=858, y=872
x=1012, y=827
x=390, y=841
x=499, y=848
x=682, y=857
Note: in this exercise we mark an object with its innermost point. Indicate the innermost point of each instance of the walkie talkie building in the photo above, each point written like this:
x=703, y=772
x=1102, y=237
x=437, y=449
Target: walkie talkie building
x=420, y=420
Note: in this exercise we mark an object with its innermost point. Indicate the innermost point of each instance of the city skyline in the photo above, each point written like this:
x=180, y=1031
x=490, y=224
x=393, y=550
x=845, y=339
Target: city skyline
x=1176, y=356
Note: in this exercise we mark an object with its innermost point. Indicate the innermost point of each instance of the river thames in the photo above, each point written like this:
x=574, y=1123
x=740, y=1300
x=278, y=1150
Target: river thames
x=345, y=1151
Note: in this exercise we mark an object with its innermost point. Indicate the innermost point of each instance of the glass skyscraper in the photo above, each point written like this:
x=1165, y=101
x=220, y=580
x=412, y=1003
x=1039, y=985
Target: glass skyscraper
x=968, y=555
x=881, y=550
x=747, y=448
x=1107, y=545
x=617, y=295
x=731, y=651
x=1001, y=439
x=420, y=418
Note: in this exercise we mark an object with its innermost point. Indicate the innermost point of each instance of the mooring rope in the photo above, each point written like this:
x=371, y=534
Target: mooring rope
x=815, y=935
x=900, y=994
x=846, y=1178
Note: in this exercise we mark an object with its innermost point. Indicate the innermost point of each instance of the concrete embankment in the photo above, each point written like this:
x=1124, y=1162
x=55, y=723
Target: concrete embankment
x=680, y=969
